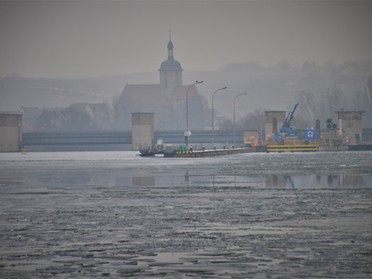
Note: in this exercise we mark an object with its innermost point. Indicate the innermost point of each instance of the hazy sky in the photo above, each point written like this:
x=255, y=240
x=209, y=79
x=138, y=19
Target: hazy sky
x=101, y=38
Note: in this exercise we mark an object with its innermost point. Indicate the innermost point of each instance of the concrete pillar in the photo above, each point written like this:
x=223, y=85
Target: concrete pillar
x=350, y=126
x=142, y=130
x=10, y=131
x=274, y=121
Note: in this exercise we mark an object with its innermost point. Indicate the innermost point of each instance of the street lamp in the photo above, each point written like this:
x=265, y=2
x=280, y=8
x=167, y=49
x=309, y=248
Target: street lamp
x=223, y=88
x=236, y=97
x=187, y=132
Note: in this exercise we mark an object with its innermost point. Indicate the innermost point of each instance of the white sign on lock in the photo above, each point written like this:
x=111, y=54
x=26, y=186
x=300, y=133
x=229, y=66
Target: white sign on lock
x=187, y=133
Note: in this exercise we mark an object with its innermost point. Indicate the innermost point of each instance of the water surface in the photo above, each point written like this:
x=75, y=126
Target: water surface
x=256, y=215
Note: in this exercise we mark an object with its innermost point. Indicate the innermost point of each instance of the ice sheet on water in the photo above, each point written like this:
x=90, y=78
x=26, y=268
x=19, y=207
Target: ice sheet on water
x=251, y=163
x=116, y=214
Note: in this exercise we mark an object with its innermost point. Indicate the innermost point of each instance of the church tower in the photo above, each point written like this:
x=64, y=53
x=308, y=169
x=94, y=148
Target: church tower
x=170, y=72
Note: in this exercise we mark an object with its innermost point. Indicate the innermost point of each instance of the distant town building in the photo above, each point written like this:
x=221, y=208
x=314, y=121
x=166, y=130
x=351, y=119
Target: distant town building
x=10, y=131
x=350, y=126
x=166, y=100
x=77, y=117
x=82, y=107
x=29, y=118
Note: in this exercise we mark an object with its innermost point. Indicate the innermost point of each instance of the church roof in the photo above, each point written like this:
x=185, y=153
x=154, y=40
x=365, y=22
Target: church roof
x=79, y=106
x=150, y=96
x=180, y=92
x=147, y=95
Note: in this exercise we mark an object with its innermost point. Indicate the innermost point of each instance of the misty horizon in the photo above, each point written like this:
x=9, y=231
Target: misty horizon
x=57, y=39
x=57, y=53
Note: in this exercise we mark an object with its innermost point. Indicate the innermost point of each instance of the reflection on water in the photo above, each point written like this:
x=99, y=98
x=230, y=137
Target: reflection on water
x=143, y=178
x=293, y=171
x=269, y=181
x=318, y=181
x=185, y=179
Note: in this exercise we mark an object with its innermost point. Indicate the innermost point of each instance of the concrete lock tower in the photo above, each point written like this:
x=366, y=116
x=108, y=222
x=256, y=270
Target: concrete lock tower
x=142, y=130
x=350, y=126
x=274, y=120
x=10, y=131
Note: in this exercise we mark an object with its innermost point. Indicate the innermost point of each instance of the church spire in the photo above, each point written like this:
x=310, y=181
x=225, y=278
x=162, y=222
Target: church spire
x=170, y=64
x=170, y=46
x=170, y=72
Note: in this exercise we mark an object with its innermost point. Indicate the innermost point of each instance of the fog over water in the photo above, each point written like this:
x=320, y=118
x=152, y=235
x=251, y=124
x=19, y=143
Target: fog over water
x=93, y=214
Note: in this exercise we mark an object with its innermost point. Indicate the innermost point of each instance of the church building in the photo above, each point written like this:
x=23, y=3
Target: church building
x=166, y=100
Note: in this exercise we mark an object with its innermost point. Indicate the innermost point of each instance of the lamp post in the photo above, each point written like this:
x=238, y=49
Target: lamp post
x=223, y=88
x=236, y=97
x=187, y=132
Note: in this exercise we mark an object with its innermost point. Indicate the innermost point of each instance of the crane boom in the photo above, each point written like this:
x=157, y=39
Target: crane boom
x=286, y=128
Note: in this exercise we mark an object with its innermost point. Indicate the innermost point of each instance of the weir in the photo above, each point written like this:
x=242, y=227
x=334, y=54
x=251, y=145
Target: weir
x=52, y=141
x=175, y=137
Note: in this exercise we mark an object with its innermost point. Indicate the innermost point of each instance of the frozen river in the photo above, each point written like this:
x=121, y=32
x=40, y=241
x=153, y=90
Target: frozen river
x=115, y=214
